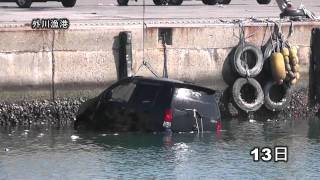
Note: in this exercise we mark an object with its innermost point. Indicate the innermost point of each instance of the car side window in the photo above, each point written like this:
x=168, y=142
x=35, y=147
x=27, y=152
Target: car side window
x=122, y=93
x=146, y=95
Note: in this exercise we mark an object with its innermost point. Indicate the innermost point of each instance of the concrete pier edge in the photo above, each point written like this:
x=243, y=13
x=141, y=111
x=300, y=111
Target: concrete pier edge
x=84, y=57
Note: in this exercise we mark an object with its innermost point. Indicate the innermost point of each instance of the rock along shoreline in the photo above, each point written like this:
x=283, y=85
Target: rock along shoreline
x=63, y=111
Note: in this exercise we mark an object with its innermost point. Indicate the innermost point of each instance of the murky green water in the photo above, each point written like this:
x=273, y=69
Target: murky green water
x=59, y=154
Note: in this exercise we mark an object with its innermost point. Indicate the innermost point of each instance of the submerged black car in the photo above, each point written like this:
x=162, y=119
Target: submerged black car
x=151, y=104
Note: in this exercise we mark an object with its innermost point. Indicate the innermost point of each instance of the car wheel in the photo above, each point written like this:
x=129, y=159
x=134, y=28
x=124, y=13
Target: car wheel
x=224, y=1
x=263, y=1
x=24, y=3
x=68, y=3
x=160, y=2
x=175, y=2
x=123, y=2
x=210, y=2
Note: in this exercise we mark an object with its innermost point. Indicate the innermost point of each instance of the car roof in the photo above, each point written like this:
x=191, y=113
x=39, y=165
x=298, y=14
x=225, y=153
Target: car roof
x=173, y=82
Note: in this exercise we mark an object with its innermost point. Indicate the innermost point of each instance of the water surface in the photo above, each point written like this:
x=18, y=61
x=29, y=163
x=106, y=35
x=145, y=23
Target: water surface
x=62, y=153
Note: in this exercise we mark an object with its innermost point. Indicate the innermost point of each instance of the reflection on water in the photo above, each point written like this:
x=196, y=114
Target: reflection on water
x=50, y=153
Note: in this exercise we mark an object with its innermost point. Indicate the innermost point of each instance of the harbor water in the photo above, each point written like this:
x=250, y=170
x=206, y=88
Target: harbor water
x=63, y=153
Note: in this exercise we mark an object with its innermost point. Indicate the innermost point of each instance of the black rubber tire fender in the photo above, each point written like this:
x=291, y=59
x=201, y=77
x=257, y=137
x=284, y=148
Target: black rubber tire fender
x=210, y=2
x=242, y=103
x=237, y=62
x=175, y=2
x=24, y=3
x=68, y=3
x=263, y=1
x=280, y=104
x=298, y=13
x=122, y=2
x=224, y=1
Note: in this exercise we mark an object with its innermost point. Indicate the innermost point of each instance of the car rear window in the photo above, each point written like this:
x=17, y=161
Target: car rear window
x=146, y=95
x=203, y=102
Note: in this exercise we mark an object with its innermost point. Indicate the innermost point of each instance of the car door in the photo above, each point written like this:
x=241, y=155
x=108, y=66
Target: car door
x=144, y=107
x=114, y=102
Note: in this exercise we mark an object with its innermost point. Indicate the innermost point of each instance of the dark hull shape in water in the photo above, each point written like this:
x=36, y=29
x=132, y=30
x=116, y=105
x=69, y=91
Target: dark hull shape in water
x=146, y=104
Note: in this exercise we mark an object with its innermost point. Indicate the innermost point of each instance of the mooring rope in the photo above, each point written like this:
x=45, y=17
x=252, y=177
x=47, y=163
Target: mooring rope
x=145, y=63
x=165, y=68
x=195, y=114
x=143, y=28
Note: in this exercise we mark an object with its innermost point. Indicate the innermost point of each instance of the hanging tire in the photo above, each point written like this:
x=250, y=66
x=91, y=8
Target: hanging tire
x=247, y=94
x=254, y=61
x=122, y=2
x=277, y=97
x=210, y=2
x=224, y=1
x=263, y=1
x=68, y=3
x=175, y=2
x=24, y=3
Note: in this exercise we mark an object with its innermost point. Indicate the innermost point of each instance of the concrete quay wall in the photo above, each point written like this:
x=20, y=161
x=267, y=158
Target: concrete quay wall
x=83, y=60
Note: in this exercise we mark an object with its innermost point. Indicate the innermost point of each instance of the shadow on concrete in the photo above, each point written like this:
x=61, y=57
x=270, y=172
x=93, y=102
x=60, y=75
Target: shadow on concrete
x=115, y=52
x=227, y=105
x=228, y=75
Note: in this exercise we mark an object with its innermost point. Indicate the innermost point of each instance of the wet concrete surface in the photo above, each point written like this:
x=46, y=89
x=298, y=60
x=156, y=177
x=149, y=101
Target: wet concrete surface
x=95, y=11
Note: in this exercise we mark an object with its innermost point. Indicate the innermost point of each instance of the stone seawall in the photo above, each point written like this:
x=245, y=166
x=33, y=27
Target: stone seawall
x=81, y=61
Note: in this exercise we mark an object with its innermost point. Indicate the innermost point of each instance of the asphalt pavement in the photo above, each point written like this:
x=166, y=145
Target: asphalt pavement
x=100, y=10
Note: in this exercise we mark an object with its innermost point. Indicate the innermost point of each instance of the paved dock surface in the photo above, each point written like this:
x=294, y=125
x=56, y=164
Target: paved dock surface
x=99, y=10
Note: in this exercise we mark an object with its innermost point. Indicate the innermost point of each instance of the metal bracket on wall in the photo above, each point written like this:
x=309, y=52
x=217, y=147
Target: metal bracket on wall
x=165, y=35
